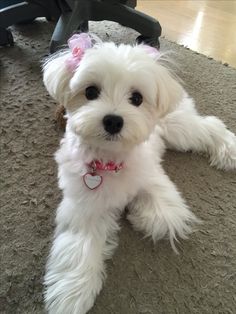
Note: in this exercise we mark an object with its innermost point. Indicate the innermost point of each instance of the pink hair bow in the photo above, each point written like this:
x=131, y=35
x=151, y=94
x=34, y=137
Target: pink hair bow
x=154, y=52
x=78, y=44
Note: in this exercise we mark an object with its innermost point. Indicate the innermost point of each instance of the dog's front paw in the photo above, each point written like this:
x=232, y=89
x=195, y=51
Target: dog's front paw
x=160, y=219
x=74, y=274
x=69, y=294
x=224, y=155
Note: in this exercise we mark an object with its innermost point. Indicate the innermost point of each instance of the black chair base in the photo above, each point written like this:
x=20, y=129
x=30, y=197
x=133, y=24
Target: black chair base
x=83, y=11
x=74, y=15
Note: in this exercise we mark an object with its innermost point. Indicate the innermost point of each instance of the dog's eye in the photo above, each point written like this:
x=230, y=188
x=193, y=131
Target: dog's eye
x=136, y=99
x=92, y=92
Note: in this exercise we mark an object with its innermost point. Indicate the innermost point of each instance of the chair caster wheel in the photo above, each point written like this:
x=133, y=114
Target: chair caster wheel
x=54, y=46
x=6, y=38
x=10, y=38
x=151, y=41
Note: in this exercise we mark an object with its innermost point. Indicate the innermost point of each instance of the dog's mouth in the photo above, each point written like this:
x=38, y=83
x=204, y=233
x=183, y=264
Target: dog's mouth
x=112, y=138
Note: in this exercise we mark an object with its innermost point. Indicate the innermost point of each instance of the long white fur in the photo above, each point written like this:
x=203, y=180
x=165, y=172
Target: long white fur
x=88, y=221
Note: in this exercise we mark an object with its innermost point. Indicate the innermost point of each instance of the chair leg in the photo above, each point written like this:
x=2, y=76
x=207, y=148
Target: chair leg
x=19, y=13
x=147, y=26
x=84, y=11
x=69, y=22
x=6, y=38
x=84, y=27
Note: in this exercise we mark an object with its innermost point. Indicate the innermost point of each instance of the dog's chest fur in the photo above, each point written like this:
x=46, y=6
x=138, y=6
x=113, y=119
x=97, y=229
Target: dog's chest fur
x=117, y=188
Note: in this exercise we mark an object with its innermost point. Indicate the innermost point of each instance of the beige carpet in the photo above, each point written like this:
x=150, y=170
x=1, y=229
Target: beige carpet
x=142, y=278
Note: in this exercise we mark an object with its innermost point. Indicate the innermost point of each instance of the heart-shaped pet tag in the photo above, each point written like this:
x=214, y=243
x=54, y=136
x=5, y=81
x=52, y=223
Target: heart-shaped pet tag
x=92, y=181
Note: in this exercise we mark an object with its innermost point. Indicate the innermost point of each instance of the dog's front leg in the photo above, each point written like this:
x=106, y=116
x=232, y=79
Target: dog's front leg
x=159, y=210
x=75, y=270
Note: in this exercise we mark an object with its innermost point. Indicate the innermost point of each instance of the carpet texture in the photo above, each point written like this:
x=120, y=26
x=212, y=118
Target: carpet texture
x=142, y=278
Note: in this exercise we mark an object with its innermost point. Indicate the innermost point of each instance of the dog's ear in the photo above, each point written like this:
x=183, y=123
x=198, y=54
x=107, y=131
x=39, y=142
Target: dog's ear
x=60, y=68
x=56, y=77
x=169, y=90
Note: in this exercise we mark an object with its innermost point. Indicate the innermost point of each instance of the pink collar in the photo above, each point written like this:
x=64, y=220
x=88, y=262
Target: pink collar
x=92, y=179
x=109, y=166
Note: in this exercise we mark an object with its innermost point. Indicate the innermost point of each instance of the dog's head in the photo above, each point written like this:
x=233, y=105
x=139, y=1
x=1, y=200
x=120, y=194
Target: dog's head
x=113, y=95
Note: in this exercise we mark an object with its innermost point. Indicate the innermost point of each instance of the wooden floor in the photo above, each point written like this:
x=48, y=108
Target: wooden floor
x=205, y=26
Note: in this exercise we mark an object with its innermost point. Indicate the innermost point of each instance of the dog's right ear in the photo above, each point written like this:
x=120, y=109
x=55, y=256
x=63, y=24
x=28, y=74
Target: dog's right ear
x=56, y=77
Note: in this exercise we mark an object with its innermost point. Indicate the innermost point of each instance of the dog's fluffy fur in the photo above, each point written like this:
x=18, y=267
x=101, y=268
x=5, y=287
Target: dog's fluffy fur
x=87, y=221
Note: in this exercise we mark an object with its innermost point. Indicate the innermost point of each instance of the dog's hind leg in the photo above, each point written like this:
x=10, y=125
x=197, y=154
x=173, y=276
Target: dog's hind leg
x=185, y=130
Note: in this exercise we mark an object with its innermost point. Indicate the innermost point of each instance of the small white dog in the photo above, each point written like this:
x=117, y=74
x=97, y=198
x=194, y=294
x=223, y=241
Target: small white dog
x=123, y=107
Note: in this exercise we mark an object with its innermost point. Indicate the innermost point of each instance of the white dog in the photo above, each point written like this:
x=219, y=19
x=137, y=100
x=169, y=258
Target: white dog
x=123, y=107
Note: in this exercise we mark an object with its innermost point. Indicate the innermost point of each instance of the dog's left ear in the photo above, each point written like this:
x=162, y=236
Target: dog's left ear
x=169, y=90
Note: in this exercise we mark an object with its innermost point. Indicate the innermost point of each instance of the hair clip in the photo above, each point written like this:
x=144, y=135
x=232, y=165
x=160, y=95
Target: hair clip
x=78, y=44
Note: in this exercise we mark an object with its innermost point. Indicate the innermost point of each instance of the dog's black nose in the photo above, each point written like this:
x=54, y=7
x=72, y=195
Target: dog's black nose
x=112, y=123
